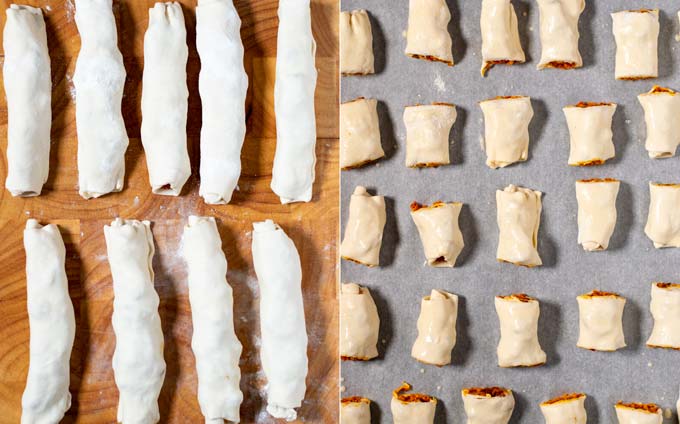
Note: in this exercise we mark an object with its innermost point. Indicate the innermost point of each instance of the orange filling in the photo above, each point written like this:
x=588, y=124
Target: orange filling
x=647, y=407
x=599, y=180
x=656, y=89
x=417, y=206
x=519, y=296
x=486, y=391
x=354, y=399
x=564, y=398
x=668, y=285
x=598, y=293
x=430, y=58
x=590, y=104
x=410, y=397
x=561, y=65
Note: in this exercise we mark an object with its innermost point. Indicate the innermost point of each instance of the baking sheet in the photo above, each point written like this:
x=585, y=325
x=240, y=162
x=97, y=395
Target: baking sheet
x=635, y=373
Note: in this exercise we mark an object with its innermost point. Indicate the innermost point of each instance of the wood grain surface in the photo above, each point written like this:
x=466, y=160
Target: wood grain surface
x=313, y=226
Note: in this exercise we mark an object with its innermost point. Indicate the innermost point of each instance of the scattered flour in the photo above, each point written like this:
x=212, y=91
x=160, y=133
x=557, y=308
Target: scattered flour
x=70, y=10
x=439, y=84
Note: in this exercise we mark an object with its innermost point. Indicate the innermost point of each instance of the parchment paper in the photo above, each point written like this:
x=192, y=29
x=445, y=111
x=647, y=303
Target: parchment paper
x=631, y=264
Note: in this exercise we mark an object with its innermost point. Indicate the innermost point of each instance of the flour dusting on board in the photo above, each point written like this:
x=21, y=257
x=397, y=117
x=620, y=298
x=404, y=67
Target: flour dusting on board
x=70, y=10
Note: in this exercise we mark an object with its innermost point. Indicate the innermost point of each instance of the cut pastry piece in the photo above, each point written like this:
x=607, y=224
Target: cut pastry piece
x=359, y=323
x=500, y=36
x=662, y=107
x=636, y=33
x=665, y=309
x=601, y=321
x=663, y=220
x=410, y=408
x=364, y=228
x=565, y=409
x=428, y=36
x=355, y=410
x=559, y=33
x=638, y=413
x=427, y=134
x=359, y=133
x=356, y=43
x=295, y=157
x=282, y=319
x=518, y=216
x=28, y=89
x=436, y=328
x=51, y=322
x=506, y=130
x=488, y=405
x=591, y=139
x=439, y=231
x=518, y=345
x=596, y=200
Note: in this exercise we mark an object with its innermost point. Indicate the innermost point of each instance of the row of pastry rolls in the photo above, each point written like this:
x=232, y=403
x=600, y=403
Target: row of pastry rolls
x=138, y=363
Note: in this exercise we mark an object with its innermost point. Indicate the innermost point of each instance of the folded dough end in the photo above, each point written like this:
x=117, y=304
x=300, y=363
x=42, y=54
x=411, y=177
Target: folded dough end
x=276, y=411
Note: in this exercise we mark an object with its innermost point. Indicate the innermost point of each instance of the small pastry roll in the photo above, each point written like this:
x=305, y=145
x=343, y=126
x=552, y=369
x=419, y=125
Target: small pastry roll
x=428, y=36
x=359, y=323
x=518, y=215
x=427, y=134
x=359, y=133
x=355, y=410
x=439, y=232
x=662, y=107
x=518, y=317
x=500, y=36
x=601, y=321
x=364, y=229
x=410, y=408
x=488, y=405
x=663, y=220
x=506, y=130
x=28, y=88
x=596, y=200
x=665, y=308
x=565, y=409
x=638, y=413
x=590, y=133
x=52, y=325
x=559, y=33
x=636, y=33
x=436, y=328
x=356, y=43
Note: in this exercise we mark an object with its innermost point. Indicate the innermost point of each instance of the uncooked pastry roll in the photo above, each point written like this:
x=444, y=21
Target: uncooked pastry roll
x=590, y=133
x=214, y=343
x=356, y=43
x=138, y=364
x=506, y=130
x=364, y=229
x=99, y=79
x=518, y=317
x=282, y=319
x=663, y=221
x=596, y=200
x=559, y=33
x=518, y=215
x=359, y=133
x=600, y=320
x=428, y=36
x=662, y=107
x=565, y=409
x=636, y=33
x=26, y=73
x=359, y=323
x=488, y=405
x=222, y=84
x=439, y=232
x=410, y=408
x=638, y=413
x=355, y=410
x=665, y=308
x=293, y=172
x=52, y=323
x=436, y=328
x=427, y=134
x=500, y=36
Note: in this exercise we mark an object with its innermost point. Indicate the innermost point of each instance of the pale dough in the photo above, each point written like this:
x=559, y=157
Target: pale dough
x=591, y=139
x=518, y=346
x=506, y=130
x=439, y=231
x=636, y=33
x=518, y=216
x=663, y=219
x=427, y=134
x=359, y=323
x=428, y=36
x=359, y=133
x=436, y=328
x=601, y=321
x=559, y=33
x=355, y=410
x=356, y=43
x=488, y=405
x=500, y=35
x=364, y=228
x=665, y=309
x=565, y=409
x=637, y=413
x=662, y=107
x=596, y=200
x=412, y=408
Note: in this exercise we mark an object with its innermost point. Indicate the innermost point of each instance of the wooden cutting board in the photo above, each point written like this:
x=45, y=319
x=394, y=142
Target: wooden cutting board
x=313, y=226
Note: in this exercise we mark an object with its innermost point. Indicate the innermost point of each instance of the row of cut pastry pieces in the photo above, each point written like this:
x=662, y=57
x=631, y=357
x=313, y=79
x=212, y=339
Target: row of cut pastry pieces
x=99, y=79
x=636, y=33
x=600, y=325
x=138, y=364
x=506, y=130
x=493, y=405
